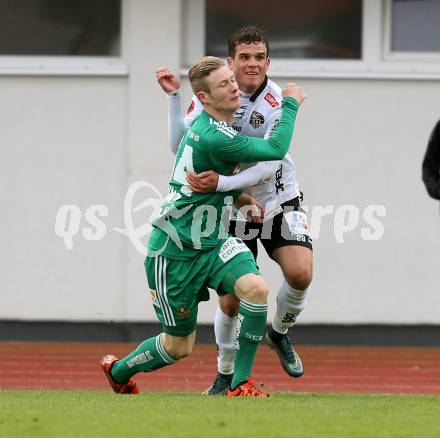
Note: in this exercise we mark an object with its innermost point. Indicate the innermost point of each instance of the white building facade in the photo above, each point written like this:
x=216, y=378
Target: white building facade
x=79, y=131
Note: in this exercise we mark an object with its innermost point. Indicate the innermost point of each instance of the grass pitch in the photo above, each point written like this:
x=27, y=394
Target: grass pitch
x=104, y=414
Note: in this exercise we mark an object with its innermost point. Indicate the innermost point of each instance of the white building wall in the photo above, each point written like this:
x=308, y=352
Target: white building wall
x=85, y=140
x=62, y=142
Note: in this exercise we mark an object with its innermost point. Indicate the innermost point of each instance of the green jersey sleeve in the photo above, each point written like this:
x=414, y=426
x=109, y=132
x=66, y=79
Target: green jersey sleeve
x=243, y=149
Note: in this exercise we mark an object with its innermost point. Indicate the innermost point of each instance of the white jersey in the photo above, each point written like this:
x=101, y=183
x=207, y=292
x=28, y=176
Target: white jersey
x=257, y=116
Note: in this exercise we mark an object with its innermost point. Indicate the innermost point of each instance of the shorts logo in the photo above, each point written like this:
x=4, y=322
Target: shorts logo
x=297, y=223
x=256, y=119
x=183, y=312
x=271, y=100
x=231, y=248
x=154, y=299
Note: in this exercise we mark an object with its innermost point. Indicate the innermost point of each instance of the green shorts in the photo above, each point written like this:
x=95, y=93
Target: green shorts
x=177, y=286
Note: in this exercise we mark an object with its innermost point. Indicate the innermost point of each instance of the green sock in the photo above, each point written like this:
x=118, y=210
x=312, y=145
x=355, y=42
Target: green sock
x=251, y=321
x=149, y=356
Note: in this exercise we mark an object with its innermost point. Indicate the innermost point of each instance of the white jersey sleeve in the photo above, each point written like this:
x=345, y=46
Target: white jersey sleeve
x=252, y=176
x=257, y=174
x=177, y=124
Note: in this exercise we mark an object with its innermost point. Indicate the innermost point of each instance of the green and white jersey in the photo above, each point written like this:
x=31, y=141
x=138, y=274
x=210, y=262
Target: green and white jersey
x=190, y=221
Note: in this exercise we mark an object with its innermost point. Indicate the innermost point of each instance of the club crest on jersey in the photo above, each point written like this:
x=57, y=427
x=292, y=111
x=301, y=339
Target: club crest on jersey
x=183, y=312
x=271, y=100
x=256, y=119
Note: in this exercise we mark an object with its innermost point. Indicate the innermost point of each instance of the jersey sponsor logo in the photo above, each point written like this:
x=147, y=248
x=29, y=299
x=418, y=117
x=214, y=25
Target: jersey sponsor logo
x=190, y=108
x=276, y=122
x=279, y=185
x=256, y=119
x=271, y=100
x=239, y=113
x=231, y=248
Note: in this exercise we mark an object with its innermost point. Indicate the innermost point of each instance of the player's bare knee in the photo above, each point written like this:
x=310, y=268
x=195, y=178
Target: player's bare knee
x=253, y=289
x=259, y=293
x=300, y=277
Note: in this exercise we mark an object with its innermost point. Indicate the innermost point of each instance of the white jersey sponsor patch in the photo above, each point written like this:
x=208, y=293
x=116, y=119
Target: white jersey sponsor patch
x=297, y=222
x=231, y=248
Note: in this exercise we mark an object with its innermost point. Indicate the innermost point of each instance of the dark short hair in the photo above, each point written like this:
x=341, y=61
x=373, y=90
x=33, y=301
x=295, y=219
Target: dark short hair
x=201, y=70
x=247, y=35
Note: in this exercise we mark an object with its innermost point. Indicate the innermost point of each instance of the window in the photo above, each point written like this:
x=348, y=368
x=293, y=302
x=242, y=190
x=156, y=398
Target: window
x=321, y=38
x=60, y=28
x=414, y=26
x=297, y=29
x=68, y=37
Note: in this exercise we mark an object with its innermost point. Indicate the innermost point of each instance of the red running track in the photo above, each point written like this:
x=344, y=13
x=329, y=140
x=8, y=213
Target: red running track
x=47, y=365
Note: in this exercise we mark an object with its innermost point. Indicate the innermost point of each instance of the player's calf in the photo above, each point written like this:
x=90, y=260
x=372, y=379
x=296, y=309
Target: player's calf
x=179, y=347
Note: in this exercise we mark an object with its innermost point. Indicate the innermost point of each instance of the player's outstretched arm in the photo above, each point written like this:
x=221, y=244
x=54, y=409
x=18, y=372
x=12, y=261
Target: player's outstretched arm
x=211, y=181
x=250, y=149
x=249, y=177
x=177, y=124
x=170, y=84
x=253, y=175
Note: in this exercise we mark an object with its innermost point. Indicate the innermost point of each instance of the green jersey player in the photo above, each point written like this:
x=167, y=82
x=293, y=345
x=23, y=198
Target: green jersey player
x=189, y=250
x=283, y=230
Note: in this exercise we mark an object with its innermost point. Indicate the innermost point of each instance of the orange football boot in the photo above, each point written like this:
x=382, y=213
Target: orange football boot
x=247, y=389
x=129, y=387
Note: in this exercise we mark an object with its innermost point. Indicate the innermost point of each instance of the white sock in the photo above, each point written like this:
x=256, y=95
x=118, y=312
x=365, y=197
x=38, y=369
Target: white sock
x=290, y=303
x=224, y=328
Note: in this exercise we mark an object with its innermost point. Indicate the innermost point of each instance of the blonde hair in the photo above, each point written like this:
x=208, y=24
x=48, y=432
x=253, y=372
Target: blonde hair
x=201, y=70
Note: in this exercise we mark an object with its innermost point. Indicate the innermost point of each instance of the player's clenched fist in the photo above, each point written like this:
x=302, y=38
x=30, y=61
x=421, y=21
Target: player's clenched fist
x=167, y=80
x=293, y=90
